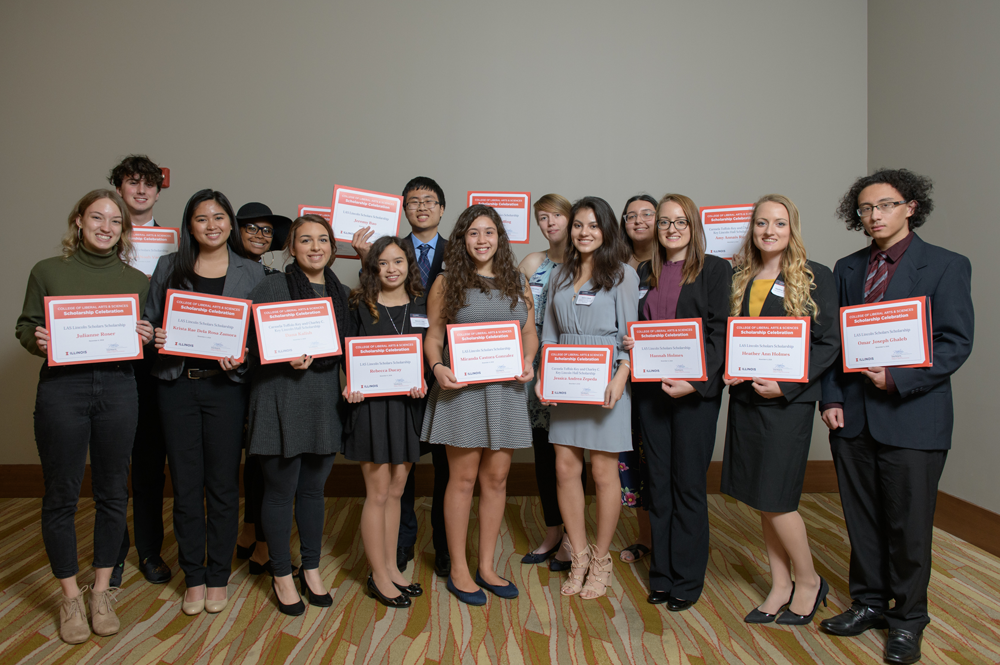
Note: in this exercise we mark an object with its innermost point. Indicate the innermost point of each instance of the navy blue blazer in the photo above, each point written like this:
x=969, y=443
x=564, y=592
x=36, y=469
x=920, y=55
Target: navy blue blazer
x=921, y=415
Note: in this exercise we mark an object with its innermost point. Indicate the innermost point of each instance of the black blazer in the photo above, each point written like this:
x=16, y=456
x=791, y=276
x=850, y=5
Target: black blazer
x=707, y=298
x=824, y=341
x=437, y=263
x=921, y=415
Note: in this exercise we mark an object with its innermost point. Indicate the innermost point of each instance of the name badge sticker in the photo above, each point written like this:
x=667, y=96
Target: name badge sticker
x=584, y=298
x=643, y=290
x=536, y=289
x=419, y=321
x=779, y=288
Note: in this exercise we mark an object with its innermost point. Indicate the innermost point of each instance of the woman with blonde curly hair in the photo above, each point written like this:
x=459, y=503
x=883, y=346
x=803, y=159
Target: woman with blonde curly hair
x=770, y=422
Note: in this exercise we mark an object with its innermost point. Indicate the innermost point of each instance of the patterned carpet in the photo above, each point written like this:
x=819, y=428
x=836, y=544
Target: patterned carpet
x=539, y=627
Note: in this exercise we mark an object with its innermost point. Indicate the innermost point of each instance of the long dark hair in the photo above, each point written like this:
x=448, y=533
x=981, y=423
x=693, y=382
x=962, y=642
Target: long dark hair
x=367, y=291
x=638, y=197
x=609, y=258
x=188, y=248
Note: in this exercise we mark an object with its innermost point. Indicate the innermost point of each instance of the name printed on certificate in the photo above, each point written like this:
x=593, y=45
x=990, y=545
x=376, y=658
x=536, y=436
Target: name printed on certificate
x=354, y=209
x=200, y=326
x=385, y=365
x=92, y=329
x=483, y=352
x=290, y=330
x=892, y=333
x=575, y=374
x=725, y=227
x=152, y=242
x=673, y=349
x=514, y=209
x=765, y=347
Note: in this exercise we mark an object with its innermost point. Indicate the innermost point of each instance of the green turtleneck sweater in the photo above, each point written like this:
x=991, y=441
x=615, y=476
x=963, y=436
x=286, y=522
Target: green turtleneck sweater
x=83, y=274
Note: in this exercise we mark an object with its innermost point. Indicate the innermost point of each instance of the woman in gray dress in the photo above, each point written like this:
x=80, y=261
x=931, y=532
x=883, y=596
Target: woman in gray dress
x=591, y=299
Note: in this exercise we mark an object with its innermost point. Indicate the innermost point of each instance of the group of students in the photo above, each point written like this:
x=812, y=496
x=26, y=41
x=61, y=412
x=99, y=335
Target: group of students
x=650, y=444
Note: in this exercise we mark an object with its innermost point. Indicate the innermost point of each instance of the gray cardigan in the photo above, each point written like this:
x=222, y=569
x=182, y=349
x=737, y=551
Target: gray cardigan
x=241, y=278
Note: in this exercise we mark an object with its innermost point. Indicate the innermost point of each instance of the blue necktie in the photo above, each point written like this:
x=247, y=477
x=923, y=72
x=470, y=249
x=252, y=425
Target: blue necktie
x=424, y=264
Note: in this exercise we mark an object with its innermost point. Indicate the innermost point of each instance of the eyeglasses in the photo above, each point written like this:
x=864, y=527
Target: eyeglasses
x=884, y=208
x=253, y=229
x=416, y=205
x=663, y=224
x=645, y=215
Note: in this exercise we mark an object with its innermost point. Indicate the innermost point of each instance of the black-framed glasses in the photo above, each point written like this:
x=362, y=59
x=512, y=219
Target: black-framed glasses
x=663, y=224
x=884, y=208
x=644, y=215
x=417, y=205
x=253, y=230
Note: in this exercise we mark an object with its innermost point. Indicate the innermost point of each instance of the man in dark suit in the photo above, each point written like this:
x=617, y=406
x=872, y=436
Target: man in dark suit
x=423, y=203
x=890, y=428
x=139, y=181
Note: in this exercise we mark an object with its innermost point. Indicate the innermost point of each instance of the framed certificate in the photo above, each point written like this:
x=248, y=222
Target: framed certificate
x=725, y=227
x=385, y=365
x=768, y=347
x=354, y=209
x=200, y=326
x=673, y=349
x=152, y=242
x=891, y=333
x=289, y=330
x=575, y=374
x=485, y=352
x=514, y=209
x=92, y=329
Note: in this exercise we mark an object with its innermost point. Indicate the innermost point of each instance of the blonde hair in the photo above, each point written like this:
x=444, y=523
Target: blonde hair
x=694, y=260
x=553, y=203
x=72, y=241
x=794, y=269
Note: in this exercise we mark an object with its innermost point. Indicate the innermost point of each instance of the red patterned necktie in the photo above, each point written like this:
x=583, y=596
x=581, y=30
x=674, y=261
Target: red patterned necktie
x=877, y=280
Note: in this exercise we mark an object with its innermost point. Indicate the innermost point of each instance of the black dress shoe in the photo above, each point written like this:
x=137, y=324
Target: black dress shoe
x=155, y=570
x=116, y=575
x=539, y=557
x=411, y=590
x=403, y=556
x=400, y=601
x=678, y=604
x=316, y=600
x=756, y=616
x=293, y=610
x=903, y=646
x=658, y=597
x=856, y=620
x=442, y=564
x=790, y=618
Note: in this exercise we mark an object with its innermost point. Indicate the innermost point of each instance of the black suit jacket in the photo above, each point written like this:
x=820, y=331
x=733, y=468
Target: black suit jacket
x=824, y=340
x=921, y=415
x=707, y=298
x=436, y=264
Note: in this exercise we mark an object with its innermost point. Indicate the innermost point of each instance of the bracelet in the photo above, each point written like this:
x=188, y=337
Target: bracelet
x=435, y=365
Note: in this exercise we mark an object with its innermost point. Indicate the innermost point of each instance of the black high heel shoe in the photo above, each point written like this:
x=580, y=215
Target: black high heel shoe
x=316, y=600
x=245, y=552
x=790, y=618
x=400, y=601
x=293, y=610
x=756, y=616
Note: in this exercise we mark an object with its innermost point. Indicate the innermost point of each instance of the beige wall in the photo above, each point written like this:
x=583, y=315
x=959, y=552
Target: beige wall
x=934, y=105
x=276, y=102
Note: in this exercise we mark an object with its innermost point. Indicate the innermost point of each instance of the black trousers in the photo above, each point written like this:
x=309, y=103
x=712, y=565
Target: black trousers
x=203, y=427
x=79, y=409
x=253, y=495
x=407, y=516
x=889, y=495
x=679, y=437
x=545, y=476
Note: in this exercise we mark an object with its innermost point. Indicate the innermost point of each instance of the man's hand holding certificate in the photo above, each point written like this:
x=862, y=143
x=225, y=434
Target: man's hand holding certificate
x=385, y=365
x=575, y=374
x=892, y=333
x=92, y=329
x=200, y=326
x=770, y=348
x=484, y=352
x=290, y=330
x=671, y=349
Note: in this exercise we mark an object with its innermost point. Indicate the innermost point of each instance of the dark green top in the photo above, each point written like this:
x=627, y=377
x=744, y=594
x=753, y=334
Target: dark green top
x=83, y=274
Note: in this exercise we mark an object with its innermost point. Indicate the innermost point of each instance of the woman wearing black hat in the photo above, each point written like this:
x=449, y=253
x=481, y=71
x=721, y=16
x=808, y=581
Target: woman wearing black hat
x=260, y=230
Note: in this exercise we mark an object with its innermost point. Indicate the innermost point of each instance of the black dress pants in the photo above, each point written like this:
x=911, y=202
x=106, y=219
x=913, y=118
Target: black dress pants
x=889, y=495
x=679, y=437
x=408, y=517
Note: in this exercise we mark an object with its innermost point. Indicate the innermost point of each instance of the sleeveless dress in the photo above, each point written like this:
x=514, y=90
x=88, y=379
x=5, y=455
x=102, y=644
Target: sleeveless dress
x=539, y=283
x=482, y=415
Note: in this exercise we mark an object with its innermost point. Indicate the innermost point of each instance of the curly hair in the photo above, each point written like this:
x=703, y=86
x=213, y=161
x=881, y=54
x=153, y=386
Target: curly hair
x=72, y=241
x=609, y=258
x=367, y=291
x=694, y=260
x=461, y=274
x=910, y=185
x=796, y=272
x=136, y=165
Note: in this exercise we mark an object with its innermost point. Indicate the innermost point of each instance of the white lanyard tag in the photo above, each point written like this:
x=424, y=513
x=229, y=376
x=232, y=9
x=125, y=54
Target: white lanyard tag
x=419, y=321
x=585, y=298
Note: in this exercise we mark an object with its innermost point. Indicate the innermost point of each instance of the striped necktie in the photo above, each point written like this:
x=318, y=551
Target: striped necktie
x=877, y=280
x=424, y=264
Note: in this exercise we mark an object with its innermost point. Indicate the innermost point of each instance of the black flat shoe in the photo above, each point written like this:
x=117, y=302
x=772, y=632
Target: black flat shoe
x=400, y=601
x=558, y=565
x=856, y=620
x=756, y=616
x=790, y=618
x=539, y=557
x=411, y=590
x=245, y=552
x=442, y=564
x=903, y=646
x=325, y=600
x=155, y=570
x=293, y=610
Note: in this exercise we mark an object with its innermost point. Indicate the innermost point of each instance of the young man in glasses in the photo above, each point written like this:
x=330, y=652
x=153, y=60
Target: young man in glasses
x=890, y=427
x=423, y=204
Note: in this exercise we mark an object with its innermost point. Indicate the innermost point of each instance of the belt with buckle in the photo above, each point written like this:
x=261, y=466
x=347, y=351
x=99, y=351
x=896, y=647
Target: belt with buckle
x=196, y=374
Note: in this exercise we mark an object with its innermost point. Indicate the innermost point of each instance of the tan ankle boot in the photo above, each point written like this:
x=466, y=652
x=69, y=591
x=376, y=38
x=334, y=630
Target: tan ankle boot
x=102, y=612
x=73, y=626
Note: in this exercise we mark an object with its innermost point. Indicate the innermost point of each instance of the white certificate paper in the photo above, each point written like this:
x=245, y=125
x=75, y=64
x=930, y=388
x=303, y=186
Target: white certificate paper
x=354, y=209
x=575, y=374
x=152, y=242
x=725, y=228
x=891, y=333
x=385, y=365
x=769, y=347
x=289, y=330
x=483, y=352
x=670, y=349
x=514, y=209
x=92, y=329
x=200, y=326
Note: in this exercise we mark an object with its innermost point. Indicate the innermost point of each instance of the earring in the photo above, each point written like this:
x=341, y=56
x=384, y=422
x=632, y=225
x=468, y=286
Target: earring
x=79, y=233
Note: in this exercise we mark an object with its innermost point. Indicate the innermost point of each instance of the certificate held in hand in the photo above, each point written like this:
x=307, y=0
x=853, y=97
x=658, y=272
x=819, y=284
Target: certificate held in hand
x=200, y=326
x=385, y=365
x=485, y=352
x=354, y=209
x=92, y=329
x=292, y=329
x=670, y=349
x=152, y=242
x=775, y=348
x=575, y=374
x=891, y=333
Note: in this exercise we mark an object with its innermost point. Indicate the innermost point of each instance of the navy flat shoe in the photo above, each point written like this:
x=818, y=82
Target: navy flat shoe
x=507, y=591
x=469, y=598
x=539, y=557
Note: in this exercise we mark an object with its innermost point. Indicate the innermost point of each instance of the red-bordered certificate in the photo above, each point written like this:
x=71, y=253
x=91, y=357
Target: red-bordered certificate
x=200, y=326
x=385, y=365
x=892, y=333
x=92, y=329
x=669, y=349
x=775, y=348
x=289, y=330
x=485, y=352
x=576, y=374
